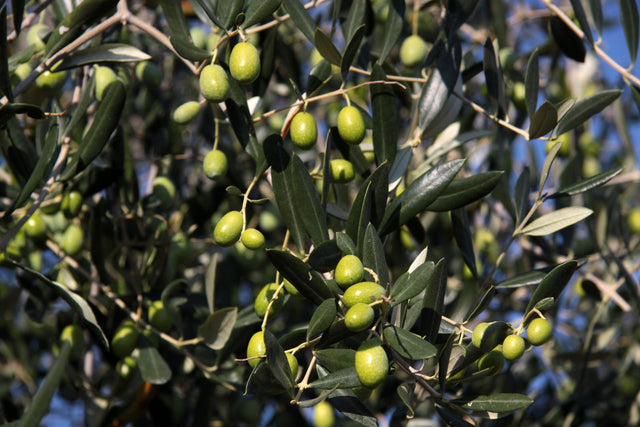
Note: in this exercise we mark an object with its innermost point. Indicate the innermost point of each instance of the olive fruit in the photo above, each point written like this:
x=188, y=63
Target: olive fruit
x=21, y=72
x=365, y=292
x=256, y=347
x=125, y=339
x=351, y=125
x=478, y=333
x=348, y=271
x=539, y=331
x=214, y=83
x=104, y=77
x=71, y=203
x=215, y=164
x=72, y=240
x=633, y=220
x=359, y=317
x=293, y=291
x=293, y=364
x=149, y=73
x=186, y=113
x=34, y=228
x=342, y=171
x=266, y=294
x=413, y=51
x=51, y=81
x=74, y=336
x=198, y=37
x=36, y=35
x=244, y=62
x=304, y=131
x=126, y=368
x=160, y=317
x=252, y=239
x=164, y=190
x=323, y=415
x=494, y=361
x=372, y=364
x=565, y=148
x=513, y=347
x=227, y=230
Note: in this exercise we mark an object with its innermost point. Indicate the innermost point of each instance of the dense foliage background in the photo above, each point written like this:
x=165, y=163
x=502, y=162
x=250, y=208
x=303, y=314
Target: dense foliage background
x=497, y=182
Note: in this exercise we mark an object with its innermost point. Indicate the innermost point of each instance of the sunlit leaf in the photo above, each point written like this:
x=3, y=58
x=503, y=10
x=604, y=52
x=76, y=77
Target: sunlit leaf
x=327, y=49
x=585, y=108
x=385, y=118
x=392, y=28
x=464, y=191
x=412, y=283
x=109, y=52
x=501, y=402
x=557, y=220
x=553, y=283
x=586, y=184
x=301, y=17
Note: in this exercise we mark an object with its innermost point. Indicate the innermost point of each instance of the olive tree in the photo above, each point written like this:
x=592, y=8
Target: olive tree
x=275, y=212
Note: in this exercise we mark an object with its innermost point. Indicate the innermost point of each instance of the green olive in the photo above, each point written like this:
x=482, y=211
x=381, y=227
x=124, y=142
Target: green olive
x=565, y=148
x=633, y=220
x=36, y=35
x=256, y=347
x=21, y=72
x=71, y=204
x=372, y=364
x=494, y=361
x=364, y=292
x=51, y=82
x=478, y=333
x=348, y=271
x=351, y=125
x=293, y=291
x=359, y=317
x=125, y=339
x=323, y=415
x=342, y=171
x=304, y=131
x=413, y=51
x=513, y=347
x=215, y=164
x=149, y=73
x=186, y=113
x=104, y=77
x=35, y=228
x=252, y=239
x=72, y=240
x=539, y=331
x=266, y=294
x=74, y=335
x=214, y=83
x=293, y=364
x=160, y=317
x=198, y=37
x=244, y=63
x=165, y=191
x=227, y=230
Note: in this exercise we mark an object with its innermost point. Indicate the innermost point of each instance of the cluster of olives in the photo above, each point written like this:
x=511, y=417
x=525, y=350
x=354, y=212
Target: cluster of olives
x=228, y=230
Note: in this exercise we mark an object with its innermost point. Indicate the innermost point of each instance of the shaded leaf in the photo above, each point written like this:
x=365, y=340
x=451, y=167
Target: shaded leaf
x=259, y=10
x=187, y=49
x=335, y=359
x=482, y=304
x=595, y=7
x=108, y=52
x=17, y=9
x=407, y=344
x=557, y=220
x=325, y=256
x=227, y=11
x=546, y=166
x=277, y=361
x=322, y=318
x=501, y=402
x=464, y=191
x=543, y=120
x=384, y=107
x=392, y=28
x=216, y=330
x=344, y=378
x=494, y=78
x=326, y=47
x=585, y=108
x=369, y=204
x=308, y=282
x=630, y=25
x=345, y=244
x=373, y=255
x=581, y=16
x=433, y=301
x=301, y=18
x=5, y=81
x=586, y=184
x=404, y=392
x=355, y=19
x=531, y=83
x=306, y=200
x=462, y=235
x=553, y=283
x=568, y=41
x=203, y=9
x=352, y=408
x=351, y=50
x=521, y=194
x=153, y=367
x=526, y=279
x=412, y=283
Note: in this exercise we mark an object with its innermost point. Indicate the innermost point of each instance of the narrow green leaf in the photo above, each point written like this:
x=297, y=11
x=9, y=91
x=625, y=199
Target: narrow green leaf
x=407, y=344
x=464, y=240
x=351, y=407
x=373, y=255
x=451, y=416
x=17, y=8
x=108, y=52
x=206, y=10
x=493, y=76
x=355, y=18
x=557, y=220
x=433, y=301
x=259, y=10
x=392, y=28
x=153, y=367
x=39, y=406
x=80, y=111
x=308, y=282
x=322, y=318
x=543, y=120
x=18, y=150
x=581, y=16
x=587, y=184
x=501, y=402
x=345, y=244
x=553, y=283
x=568, y=41
x=5, y=81
x=326, y=47
x=335, y=359
x=175, y=18
x=325, y=256
x=546, y=167
x=595, y=7
x=351, y=51
x=411, y=284
x=630, y=25
x=369, y=204
x=482, y=304
x=187, y=49
x=216, y=330
x=277, y=361
x=405, y=391
x=419, y=195
x=227, y=11
x=384, y=107
x=531, y=83
x=585, y=108
x=529, y=278
x=319, y=75
x=9, y=110
x=521, y=193
x=301, y=18
x=306, y=202
x=344, y=378
x=464, y=191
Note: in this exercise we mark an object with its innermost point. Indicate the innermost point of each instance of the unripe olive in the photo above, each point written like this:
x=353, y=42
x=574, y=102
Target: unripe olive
x=539, y=331
x=359, y=317
x=323, y=415
x=72, y=240
x=244, y=63
x=266, y=294
x=372, y=364
x=186, y=113
x=227, y=230
x=164, y=190
x=348, y=271
x=198, y=37
x=513, y=347
x=160, y=317
x=590, y=167
x=214, y=83
x=252, y=239
x=364, y=292
x=342, y=171
x=51, y=81
x=293, y=291
x=125, y=339
x=351, y=125
x=565, y=148
x=127, y=369
x=494, y=361
x=36, y=35
x=215, y=164
x=74, y=335
x=413, y=51
x=34, y=227
x=478, y=333
x=104, y=77
x=293, y=364
x=304, y=131
x=21, y=72
x=507, y=58
x=71, y=204
x=256, y=347
x=149, y=73
x=633, y=220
